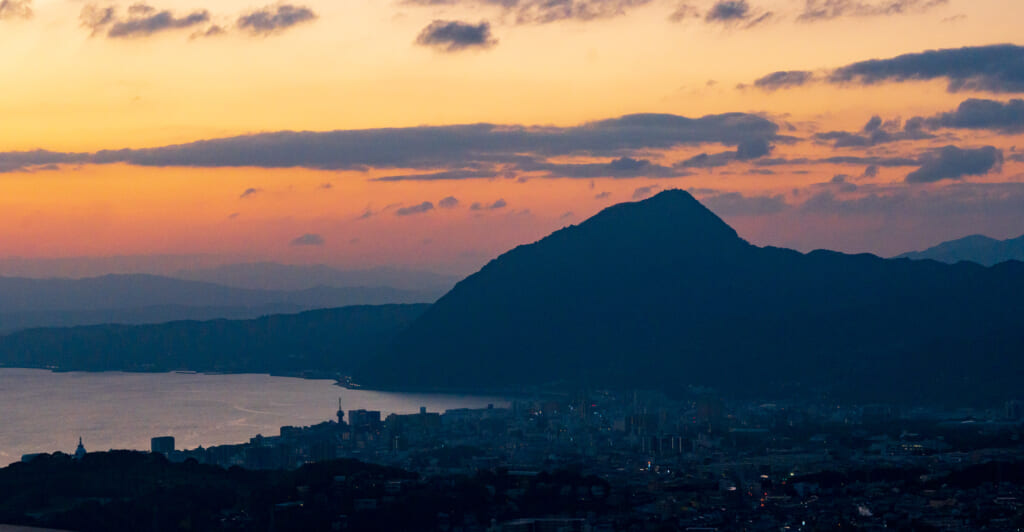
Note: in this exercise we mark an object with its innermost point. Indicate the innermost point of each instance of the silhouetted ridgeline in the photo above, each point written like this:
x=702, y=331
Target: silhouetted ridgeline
x=320, y=341
x=131, y=491
x=975, y=248
x=663, y=294
x=135, y=298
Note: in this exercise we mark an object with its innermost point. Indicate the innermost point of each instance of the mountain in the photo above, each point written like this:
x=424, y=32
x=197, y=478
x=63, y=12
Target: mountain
x=274, y=276
x=322, y=342
x=662, y=294
x=138, y=298
x=975, y=248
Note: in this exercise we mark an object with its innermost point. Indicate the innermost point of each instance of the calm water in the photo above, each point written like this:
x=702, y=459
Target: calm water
x=42, y=411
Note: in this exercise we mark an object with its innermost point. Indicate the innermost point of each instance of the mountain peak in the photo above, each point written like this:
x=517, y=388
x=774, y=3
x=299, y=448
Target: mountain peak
x=672, y=216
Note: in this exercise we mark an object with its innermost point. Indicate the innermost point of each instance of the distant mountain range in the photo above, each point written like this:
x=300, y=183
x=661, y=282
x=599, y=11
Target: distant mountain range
x=975, y=248
x=137, y=298
x=275, y=276
x=657, y=294
x=663, y=294
x=318, y=343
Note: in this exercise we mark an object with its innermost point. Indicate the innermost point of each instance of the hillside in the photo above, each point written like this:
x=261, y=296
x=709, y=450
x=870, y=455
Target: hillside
x=663, y=294
x=323, y=342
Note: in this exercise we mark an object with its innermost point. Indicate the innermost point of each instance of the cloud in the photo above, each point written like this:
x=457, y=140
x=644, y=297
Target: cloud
x=871, y=171
x=603, y=195
x=860, y=161
x=470, y=147
x=974, y=113
x=15, y=9
x=415, y=209
x=142, y=21
x=735, y=204
x=684, y=11
x=784, y=79
x=746, y=151
x=621, y=168
x=875, y=132
x=951, y=162
x=453, y=36
x=995, y=68
x=819, y=10
x=547, y=11
x=448, y=203
x=274, y=19
x=733, y=12
x=249, y=192
x=643, y=192
x=979, y=199
x=565, y=215
x=308, y=239
x=499, y=204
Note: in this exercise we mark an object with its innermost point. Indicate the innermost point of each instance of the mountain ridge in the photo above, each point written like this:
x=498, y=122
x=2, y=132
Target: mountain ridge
x=630, y=298
x=980, y=249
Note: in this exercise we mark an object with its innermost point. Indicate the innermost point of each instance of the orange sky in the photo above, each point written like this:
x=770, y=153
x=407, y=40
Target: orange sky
x=356, y=65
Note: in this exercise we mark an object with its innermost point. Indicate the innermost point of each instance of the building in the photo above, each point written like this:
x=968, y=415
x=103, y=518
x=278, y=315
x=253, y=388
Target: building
x=162, y=444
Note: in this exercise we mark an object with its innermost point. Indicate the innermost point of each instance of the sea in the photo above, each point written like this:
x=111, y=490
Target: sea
x=43, y=411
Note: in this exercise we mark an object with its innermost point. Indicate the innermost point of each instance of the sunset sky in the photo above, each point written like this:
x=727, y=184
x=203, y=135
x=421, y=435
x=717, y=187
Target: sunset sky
x=435, y=134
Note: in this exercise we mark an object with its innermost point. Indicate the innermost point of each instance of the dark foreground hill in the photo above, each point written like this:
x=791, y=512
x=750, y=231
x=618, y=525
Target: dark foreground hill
x=319, y=341
x=975, y=248
x=663, y=294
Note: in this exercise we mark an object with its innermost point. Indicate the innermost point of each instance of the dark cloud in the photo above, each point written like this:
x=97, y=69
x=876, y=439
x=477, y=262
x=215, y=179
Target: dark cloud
x=249, y=192
x=735, y=204
x=471, y=147
x=15, y=9
x=996, y=68
x=861, y=161
x=951, y=162
x=784, y=79
x=454, y=36
x=871, y=171
x=875, y=132
x=745, y=151
x=142, y=21
x=602, y=195
x=415, y=209
x=735, y=12
x=547, y=11
x=21, y=160
x=308, y=239
x=1003, y=117
x=274, y=19
x=448, y=203
x=565, y=215
x=444, y=175
x=818, y=10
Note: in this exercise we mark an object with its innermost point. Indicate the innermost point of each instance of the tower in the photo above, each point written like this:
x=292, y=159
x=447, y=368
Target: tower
x=80, y=451
x=341, y=413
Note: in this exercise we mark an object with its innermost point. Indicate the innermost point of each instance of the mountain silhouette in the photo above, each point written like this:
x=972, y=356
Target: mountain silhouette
x=975, y=248
x=662, y=294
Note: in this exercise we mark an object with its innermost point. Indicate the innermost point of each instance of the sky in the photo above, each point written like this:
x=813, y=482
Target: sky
x=436, y=134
